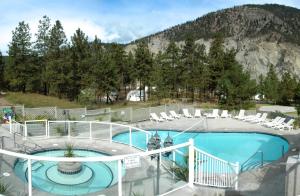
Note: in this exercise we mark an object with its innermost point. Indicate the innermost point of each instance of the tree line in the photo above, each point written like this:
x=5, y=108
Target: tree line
x=85, y=71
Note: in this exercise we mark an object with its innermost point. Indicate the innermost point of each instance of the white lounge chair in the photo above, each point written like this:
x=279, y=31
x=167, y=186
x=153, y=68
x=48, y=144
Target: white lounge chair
x=165, y=116
x=289, y=125
x=241, y=115
x=272, y=122
x=279, y=122
x=174, y=114
x=251, y=118
x=214, y=114
x=154, y=117
x=186, y=113
x=262, y=119
x=225, y=114
x=197, y=113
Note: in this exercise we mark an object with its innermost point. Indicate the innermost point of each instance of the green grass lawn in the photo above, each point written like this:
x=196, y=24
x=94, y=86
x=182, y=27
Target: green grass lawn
x=37, y=100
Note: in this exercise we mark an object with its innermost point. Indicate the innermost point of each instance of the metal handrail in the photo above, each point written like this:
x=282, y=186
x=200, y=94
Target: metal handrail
x=261, y=159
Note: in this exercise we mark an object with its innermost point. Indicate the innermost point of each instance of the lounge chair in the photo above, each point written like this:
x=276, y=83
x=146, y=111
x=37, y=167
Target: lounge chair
x=262, y=119
x=241, y=115
x=186, y=113
x=289, y=125
x=225, y=114
x=251, y=118
x=197, y=113
x=272, y=122
x=154, y=117
x=165, y=116
x=174, y=114
x=279, y=122
x=214, y=114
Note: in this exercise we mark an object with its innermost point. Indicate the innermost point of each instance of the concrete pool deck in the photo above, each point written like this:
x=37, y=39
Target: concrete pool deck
x=269, y=180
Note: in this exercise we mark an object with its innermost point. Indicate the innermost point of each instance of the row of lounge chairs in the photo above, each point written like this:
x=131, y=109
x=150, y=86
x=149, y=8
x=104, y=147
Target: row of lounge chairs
x=277, y=123
x=185, y=113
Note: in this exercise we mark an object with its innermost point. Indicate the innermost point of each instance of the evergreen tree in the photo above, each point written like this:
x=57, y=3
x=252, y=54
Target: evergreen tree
x=187, y=66
x=287, y=87
x=19, y=70
x=81, y=70
x=2, y=82
x=201, y=72
x=41, y=48
x=143, y=66
x=172, y=65
x=105, y=76
x=261, y=86
x=271, y=85
x=216, y=60
x=58, y=61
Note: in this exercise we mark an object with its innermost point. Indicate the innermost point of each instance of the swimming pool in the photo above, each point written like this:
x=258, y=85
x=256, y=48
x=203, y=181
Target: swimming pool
x=93, y=177
x=230, y=146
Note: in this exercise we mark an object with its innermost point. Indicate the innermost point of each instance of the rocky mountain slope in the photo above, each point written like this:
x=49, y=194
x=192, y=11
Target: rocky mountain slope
x=261, y=34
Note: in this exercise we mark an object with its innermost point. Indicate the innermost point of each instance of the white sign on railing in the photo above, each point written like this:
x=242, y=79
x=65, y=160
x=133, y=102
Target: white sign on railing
x=132, y=162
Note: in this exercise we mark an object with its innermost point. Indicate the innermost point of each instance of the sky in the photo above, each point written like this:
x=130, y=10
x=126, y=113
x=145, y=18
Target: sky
x=119, y=21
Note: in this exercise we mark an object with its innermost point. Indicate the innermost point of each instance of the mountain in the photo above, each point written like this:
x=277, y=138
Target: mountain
x=261, y=34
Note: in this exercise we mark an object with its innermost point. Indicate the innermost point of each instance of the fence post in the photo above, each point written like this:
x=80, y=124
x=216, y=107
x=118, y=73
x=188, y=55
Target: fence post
x=90, y=129
x=48, y=127
x=26, y=131
x=119, y=178
x=191, y=162
x=165, y=108
x=55, y=112
x=131, y=111
x=10, y=124
x=237, y=170
x=29, y=177
x=110, y=133
x=69, y=129
x=23, y=111
x=130, y=136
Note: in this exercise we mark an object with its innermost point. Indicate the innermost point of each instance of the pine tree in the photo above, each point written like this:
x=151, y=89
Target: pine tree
x=2, y=82
x=216, y=60
x=81, y=70
x=57, y=67
x=19, y=68
x=41, y=47
x=187, y=66
x=271, y=85
x=172, y=62
x=143, y=66
x=287, y=87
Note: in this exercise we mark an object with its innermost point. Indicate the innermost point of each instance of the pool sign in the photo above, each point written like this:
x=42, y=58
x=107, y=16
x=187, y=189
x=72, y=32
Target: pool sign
x=132, y=162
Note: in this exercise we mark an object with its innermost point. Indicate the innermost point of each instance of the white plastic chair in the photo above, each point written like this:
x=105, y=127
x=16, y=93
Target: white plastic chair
x=186, y=113
x=272, y=122
x=174, y=114
x=165, y=116
x=225, y=114
x=251, y=118
x=197, y=113
x=154, y=117
x=214, y=114
x=289, y=125
x=241, y=115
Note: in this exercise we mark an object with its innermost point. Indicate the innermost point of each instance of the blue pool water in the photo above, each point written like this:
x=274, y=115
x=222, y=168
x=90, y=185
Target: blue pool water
x=93, y=176
x=232, y=147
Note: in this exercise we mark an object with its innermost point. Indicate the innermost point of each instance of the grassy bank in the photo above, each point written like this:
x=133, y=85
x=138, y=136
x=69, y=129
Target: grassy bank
x=37, y=100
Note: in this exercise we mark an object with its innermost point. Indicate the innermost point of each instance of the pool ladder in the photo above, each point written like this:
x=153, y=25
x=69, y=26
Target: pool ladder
x=248, y=164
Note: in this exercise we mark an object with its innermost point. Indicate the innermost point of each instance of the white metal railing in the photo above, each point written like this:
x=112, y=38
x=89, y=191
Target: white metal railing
x=88, y=129
x=119, y=158
x=16, y=127
x=213, y=171
x=208, y=169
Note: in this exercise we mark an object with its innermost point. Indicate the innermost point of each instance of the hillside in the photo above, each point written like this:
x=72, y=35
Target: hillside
x=261, y=34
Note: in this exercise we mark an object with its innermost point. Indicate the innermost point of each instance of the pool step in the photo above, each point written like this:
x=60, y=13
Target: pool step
x=35, y=165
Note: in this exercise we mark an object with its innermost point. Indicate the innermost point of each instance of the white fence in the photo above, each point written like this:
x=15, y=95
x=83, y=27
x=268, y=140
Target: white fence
x=213, y=171
x=205, y=169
